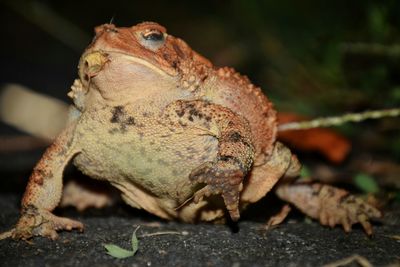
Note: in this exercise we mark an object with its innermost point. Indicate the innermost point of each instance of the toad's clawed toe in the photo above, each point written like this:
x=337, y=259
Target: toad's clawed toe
x=43, y=223
x=355, y=210
x=221, y=178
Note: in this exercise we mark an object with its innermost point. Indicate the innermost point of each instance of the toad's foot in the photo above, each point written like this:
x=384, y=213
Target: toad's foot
x=35, y=222
x=222, y=177
x=330, y=205
x=279, y=217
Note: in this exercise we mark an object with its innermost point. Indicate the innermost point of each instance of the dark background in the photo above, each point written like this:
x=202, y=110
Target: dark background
x=306, y=55
x=314, y=58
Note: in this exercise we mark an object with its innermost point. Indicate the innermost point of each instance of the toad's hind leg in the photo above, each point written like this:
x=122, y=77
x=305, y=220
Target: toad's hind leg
x=282, y=164
x=328, y=204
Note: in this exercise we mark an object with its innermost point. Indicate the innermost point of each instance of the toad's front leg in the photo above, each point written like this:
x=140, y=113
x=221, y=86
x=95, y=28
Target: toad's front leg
x=44, y=190
x=235, y=156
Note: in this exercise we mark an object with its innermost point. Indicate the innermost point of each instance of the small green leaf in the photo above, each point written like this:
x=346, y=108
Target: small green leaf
x=118, y=252
x=135, y=242
x=366, y=183
x=121, y=253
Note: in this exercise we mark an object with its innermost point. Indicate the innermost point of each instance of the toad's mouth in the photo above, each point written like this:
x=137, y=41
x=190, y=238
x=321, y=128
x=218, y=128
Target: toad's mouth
x=118, y=76
x=93, y=62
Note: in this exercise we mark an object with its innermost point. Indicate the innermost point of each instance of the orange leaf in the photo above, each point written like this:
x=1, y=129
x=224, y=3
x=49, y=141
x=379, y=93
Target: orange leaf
x=332, y=145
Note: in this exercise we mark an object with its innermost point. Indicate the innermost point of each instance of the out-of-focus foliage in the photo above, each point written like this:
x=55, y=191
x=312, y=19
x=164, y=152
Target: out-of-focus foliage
x=310, y=57
x=366, y=183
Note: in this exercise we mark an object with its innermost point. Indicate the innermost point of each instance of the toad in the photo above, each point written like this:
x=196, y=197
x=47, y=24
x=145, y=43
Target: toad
x=176, y=136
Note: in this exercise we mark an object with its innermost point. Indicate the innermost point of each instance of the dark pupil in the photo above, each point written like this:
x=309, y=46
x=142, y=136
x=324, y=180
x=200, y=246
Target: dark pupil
x=153, y=36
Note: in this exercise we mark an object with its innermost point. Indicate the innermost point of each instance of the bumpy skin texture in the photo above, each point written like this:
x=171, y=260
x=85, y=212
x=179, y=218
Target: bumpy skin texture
x=172, y=132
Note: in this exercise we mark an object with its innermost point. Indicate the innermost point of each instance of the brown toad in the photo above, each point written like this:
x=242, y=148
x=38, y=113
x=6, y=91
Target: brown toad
x=173, y=133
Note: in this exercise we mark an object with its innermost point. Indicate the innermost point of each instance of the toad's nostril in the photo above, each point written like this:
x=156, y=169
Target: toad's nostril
x=105, y=28
x=93, y=63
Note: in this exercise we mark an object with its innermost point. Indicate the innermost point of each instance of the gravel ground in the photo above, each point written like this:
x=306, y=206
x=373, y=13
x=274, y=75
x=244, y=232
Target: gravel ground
x=297, y=242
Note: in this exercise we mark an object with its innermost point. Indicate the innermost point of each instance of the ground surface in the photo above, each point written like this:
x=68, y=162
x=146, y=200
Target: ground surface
x=294, y=243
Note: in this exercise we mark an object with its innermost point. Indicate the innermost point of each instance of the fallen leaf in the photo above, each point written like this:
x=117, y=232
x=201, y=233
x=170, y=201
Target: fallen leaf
x=332, y=145
x=118, y=252
x=121, y=253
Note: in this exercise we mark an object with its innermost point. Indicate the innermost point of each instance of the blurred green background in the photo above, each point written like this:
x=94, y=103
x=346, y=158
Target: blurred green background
x=315, y=58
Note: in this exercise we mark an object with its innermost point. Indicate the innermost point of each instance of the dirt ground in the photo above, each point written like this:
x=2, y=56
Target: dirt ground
x=297, y=242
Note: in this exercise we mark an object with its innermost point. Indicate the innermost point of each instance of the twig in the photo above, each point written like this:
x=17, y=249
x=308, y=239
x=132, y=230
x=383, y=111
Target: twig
x=395, y=237
x=339, y=120
x=165, y=233
x=7, y=234
x=347, y=261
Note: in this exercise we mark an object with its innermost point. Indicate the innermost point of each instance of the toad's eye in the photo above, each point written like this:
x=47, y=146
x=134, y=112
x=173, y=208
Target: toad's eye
x=152, y=39
x=153, y=35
